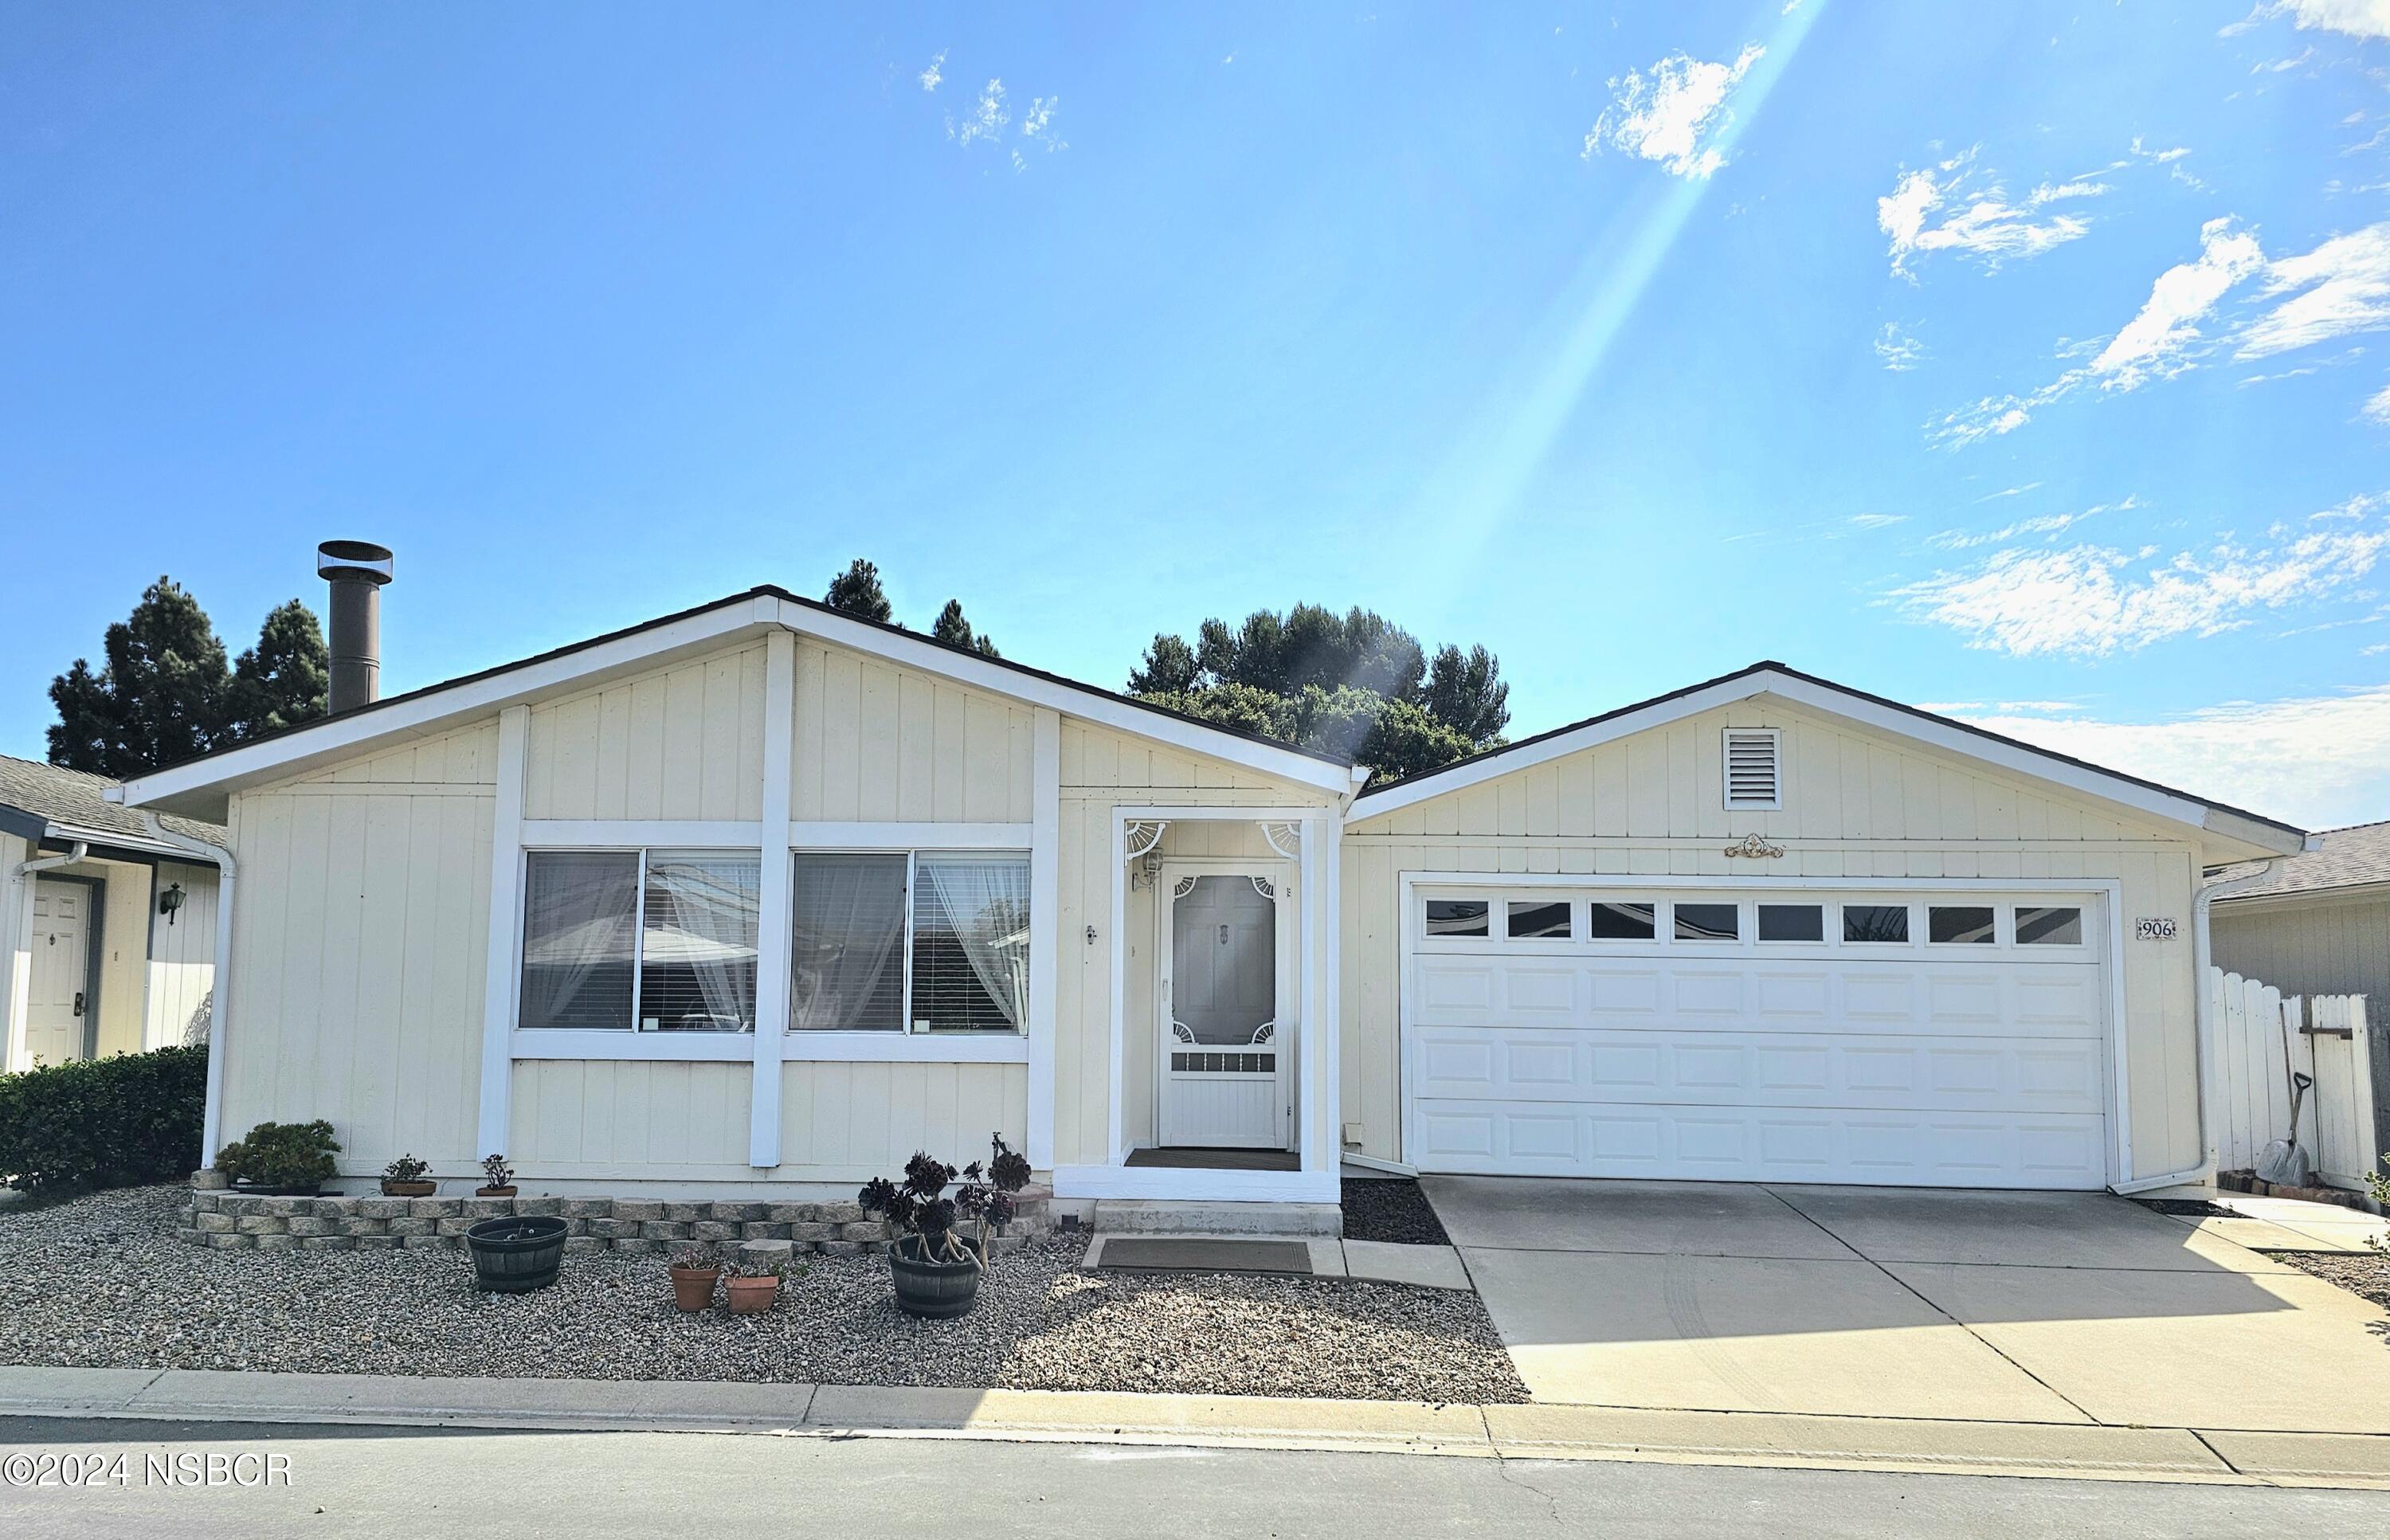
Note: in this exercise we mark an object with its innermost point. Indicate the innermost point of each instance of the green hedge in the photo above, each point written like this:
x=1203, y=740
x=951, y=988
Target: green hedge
x=107, y=1122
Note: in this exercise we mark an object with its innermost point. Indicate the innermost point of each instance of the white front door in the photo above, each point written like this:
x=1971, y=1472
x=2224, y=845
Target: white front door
x=61, y=973
x=1225, y=1037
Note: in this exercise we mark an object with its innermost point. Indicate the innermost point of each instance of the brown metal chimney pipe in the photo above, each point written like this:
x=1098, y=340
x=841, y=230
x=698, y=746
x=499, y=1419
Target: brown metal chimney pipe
x=356, y=571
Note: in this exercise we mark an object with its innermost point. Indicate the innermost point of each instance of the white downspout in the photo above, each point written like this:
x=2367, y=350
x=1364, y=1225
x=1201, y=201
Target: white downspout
x=22, y=910
x=2204, y=1013
x=219, y=1010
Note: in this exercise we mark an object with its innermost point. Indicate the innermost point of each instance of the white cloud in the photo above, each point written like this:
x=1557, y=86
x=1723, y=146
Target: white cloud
x=2360, y=18
x=2047, y=523
x=2153, y=342
x=2343, y=287
x=1966, y=211
x=2141, y=151
x=1877, y=521
x=2377, y=406
x=1037, y=125
x=2340, y=289
x=934, y=73
x=1900, y=350
x=1673, y=115
x=984, y=120
x=2091, y=600
x=2319, y=761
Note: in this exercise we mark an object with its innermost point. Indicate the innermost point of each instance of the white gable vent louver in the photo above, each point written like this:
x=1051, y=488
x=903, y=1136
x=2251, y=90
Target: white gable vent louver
x=1753, y=767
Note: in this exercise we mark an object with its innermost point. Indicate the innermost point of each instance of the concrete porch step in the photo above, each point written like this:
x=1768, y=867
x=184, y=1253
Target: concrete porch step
x=1166, y=1216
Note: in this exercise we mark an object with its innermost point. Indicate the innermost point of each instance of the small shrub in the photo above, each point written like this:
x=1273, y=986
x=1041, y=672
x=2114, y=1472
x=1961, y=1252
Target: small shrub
x=500, y=1174
x=107, y=1122
x=692, y=1258
x=407, y=1168
x=282, y=1155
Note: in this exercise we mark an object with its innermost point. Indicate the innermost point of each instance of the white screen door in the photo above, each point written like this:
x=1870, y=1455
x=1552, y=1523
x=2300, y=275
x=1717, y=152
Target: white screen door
x=1224, y=1054
x=61, y=973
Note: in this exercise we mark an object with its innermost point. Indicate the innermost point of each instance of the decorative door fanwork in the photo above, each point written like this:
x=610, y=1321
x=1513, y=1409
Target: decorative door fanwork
x=1225, y=1055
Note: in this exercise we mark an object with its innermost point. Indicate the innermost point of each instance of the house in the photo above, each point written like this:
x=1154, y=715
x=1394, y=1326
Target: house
x=760, y=898
x=2316, y=924
x=108, y=927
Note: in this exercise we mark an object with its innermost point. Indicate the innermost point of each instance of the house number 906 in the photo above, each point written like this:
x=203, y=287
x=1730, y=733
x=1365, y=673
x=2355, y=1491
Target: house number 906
x=2147, y=928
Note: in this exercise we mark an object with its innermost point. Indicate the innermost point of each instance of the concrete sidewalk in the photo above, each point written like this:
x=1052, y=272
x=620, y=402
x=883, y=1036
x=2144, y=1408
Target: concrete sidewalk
x=2068, y=1450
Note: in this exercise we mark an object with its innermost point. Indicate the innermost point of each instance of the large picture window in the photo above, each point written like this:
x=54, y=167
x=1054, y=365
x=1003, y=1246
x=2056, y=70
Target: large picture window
x=646, y=941
x=909, y=942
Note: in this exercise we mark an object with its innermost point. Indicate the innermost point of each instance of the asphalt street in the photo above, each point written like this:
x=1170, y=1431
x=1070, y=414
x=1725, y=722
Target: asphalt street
x=264, y=1481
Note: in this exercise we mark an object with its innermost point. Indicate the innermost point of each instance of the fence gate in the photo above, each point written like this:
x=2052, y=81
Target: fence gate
x=2262, y=1035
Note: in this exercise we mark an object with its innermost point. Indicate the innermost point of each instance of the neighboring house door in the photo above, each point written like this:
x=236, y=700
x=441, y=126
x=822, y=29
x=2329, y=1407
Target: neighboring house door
x=1225, y=1054
x=60, y=1006
x=1951, y=1038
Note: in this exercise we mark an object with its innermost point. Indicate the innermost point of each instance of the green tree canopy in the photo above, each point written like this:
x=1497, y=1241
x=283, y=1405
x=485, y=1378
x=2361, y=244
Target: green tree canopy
x=1354, y=684
x=164, y=691
x=856, y=592
x=951, y=628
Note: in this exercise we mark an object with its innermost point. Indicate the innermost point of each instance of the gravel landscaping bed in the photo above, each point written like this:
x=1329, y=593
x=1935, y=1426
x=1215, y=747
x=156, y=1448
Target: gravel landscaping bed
x=1390, y=1208
x=101, y=1281
x=2361, y=1273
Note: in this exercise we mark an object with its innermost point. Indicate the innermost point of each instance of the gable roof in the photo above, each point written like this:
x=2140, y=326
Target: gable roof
x=2357, y=856
x=200, y=785
x=41, y=800
x=2238, y=833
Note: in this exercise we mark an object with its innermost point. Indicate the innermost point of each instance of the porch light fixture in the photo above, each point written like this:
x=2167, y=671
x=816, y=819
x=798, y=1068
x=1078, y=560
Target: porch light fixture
x=170, y=901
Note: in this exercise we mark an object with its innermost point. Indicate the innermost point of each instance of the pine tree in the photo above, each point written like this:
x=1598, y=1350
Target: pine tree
x=283, y=680
x=856, y=592
x=158, y=698
x=952, y=629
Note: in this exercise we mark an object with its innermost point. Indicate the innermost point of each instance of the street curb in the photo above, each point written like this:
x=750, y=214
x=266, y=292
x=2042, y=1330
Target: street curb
x=2091, y=1452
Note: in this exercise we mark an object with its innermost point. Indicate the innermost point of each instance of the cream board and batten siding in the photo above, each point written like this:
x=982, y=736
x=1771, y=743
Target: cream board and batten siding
x=358, y=997
x=880, y=743
x=1858, y=804
x=182, y=954
x=1102, y=772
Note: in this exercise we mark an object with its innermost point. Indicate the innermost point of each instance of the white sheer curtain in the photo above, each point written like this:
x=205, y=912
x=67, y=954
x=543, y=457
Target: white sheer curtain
x=988, y=904
x=580, y=915
x=700, y=928
x=848, y=924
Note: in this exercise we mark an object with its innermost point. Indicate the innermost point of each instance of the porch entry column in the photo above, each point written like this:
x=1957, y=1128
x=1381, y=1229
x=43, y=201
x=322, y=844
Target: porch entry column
x=505, y=927
x=772, y=931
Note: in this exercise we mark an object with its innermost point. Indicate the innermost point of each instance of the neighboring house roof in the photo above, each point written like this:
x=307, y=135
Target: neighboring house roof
x=199, y=785
x=48, y=802
x=2357, y=856
x=2238, y=832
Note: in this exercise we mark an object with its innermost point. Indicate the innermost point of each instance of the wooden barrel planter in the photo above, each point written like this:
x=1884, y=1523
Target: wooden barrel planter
x=933, y=1288
x=518, y=1253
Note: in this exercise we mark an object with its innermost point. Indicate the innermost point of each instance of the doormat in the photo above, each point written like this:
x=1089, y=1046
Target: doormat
x=1202, y=1254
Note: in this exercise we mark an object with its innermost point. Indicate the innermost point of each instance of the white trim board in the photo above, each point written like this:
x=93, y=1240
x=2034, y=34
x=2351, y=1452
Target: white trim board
x=200, y=786
x=1188, y=1184
x=1835, y=700
x=2108, y=893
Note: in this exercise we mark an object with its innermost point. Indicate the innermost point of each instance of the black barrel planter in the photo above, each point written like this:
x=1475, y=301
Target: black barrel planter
x=933, y=1289
x=516, y=1255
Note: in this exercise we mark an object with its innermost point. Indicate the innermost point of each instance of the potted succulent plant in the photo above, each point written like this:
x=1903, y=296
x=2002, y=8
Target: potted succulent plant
x=935, y=1270
x=501, y=1183
x=282, y=1158
x=693, y=1273
x=754, y=1284
x=405, y=1178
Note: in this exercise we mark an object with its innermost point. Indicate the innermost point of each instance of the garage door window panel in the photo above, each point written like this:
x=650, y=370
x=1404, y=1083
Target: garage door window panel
x=1792, y=923
x=1611, y=920
x=1875, y=924
x=1707, y=921
x=1959, y=925
x=1539, y=919
x=1455, y=918
x=2049, y=926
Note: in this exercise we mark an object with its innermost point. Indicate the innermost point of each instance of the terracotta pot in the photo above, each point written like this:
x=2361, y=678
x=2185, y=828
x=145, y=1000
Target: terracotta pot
x=693, y=1286
x=391, y=1189
x=493, y=1192
x=754, y=1296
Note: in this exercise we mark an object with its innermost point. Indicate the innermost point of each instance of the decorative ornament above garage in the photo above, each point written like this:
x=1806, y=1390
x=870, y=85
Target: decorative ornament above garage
x=1753, y=845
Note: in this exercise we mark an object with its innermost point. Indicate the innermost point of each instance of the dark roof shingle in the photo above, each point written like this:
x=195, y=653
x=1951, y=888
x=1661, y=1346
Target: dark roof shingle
x=2357, y=856
x=74, y=797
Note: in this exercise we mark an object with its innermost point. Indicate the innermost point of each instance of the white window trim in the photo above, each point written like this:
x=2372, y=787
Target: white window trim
x=1726, y=736
x=905, y=1028
x=639, y=953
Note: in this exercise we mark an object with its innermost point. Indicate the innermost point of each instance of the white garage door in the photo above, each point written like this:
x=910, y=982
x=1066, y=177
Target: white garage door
x=1950, y=1039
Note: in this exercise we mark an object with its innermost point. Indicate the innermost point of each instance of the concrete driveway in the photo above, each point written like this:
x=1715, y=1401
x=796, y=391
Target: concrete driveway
x=1890, y=1301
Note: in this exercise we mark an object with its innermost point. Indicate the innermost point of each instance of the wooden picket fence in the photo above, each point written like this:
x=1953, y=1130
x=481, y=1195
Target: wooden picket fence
x=2262, y=1033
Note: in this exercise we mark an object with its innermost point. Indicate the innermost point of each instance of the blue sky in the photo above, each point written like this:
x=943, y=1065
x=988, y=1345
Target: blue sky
x=2028, y=361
